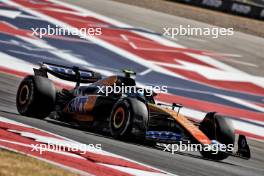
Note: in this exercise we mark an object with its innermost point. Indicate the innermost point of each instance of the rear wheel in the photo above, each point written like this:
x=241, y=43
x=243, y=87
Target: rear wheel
x=35, y=97
x=218, y=128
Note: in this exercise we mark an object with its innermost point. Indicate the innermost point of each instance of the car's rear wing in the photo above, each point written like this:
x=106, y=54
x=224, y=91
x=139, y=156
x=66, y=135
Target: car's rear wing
x=74, y=73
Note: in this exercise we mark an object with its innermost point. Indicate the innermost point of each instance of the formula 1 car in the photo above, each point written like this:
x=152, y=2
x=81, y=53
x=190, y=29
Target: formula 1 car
x=125, y=115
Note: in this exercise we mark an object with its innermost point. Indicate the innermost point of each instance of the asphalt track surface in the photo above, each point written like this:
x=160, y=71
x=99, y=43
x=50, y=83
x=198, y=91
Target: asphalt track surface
x=248, y=46
x=181, y=163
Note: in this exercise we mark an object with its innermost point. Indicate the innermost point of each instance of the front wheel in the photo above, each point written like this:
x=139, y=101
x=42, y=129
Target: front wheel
x=35, y=97
x=218, y=128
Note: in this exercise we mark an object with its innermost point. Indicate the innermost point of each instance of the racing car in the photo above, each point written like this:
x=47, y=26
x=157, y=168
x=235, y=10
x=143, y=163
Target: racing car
x=125, y=115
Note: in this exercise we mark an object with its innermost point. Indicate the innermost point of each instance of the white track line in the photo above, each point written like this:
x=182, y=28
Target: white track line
x=241, y=102
x=145, y=72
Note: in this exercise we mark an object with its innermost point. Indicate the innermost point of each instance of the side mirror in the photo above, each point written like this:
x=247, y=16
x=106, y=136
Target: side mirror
x=179, y=106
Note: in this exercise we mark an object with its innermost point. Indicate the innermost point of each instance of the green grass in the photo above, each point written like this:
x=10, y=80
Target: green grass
x=14, y=164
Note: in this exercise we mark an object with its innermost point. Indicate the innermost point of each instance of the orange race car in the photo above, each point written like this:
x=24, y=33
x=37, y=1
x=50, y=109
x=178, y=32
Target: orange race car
x=133, y=114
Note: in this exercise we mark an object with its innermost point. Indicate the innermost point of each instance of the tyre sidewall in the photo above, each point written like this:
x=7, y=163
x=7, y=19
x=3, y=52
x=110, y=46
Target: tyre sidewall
x=27, y=107
x=41, y=97
x=125, y=128
x=224, y=133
